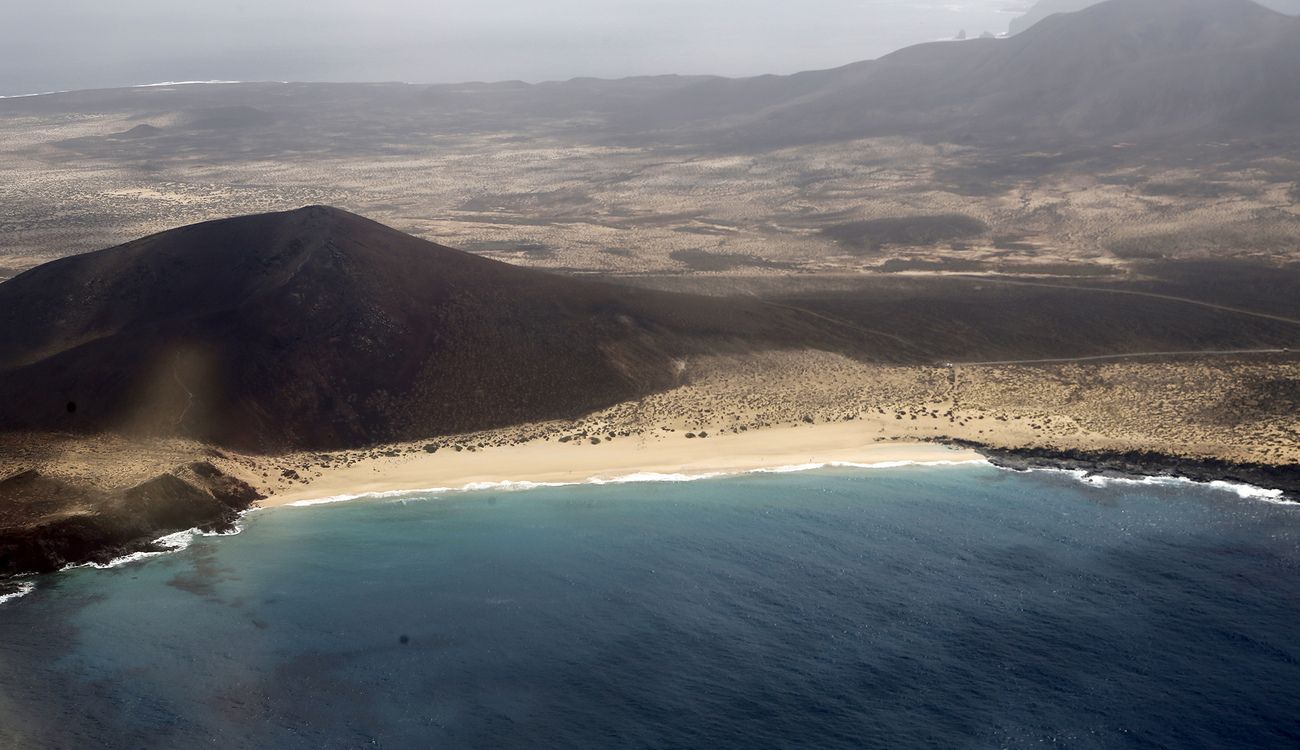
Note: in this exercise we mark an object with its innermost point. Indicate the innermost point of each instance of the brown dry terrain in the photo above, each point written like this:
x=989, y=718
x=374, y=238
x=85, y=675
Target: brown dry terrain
x=925, y=246
x=1244, y=408
x=1129, y=131
x=885, y=205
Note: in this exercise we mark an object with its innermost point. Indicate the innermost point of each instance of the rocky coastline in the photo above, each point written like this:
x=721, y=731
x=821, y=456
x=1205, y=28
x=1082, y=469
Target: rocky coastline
x=50, y=524
x=1134, y=464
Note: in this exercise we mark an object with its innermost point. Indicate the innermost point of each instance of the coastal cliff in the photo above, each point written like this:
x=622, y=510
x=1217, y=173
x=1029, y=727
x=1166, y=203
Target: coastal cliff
x=49, y=523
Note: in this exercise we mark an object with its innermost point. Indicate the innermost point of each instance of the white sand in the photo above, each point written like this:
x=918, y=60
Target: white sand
x=570, y=463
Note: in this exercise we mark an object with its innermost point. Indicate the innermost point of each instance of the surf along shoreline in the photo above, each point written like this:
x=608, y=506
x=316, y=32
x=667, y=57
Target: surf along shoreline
x=541, y=464
x=549, y=463
x=1280, y=483
x=773, y=450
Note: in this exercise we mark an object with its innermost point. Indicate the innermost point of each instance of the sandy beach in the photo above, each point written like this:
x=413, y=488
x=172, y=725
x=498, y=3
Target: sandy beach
x=649, y=458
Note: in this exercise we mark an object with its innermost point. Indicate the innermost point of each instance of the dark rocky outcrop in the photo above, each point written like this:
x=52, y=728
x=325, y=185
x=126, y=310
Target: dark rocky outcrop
x=47, y=523
x=1135, y=463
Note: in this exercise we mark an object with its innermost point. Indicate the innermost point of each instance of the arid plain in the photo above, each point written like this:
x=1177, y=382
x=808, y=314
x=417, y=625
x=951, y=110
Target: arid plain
x=85, y=172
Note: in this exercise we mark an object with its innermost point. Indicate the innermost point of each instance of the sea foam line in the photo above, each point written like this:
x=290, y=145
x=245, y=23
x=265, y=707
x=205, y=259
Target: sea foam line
x=179, y=83
x=23, y=590
x=174, y=542
x=1244, y=491
x=38, y=93
x=510, y=485
x=132, y=86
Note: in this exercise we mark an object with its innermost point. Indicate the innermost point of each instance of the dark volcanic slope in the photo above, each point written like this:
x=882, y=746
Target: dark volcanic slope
x=317, y=328
x=1135, y=69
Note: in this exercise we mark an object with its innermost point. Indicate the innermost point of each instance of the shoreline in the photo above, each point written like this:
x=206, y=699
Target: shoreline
x=630, y=459
x=427, y=475
x=409, y=475
x=1272, y=482
x=634, y=478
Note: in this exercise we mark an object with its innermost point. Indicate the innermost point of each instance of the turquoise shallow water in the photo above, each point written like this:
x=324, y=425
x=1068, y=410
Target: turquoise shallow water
x=912, y=607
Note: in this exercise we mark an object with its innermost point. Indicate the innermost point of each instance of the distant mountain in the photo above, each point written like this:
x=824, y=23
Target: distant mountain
x=317, y=328
x=1122, y=70
x=1044, y=8
x=1131, y=69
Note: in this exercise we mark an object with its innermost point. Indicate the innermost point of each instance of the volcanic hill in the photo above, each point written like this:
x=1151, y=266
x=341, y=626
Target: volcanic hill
x=317, y=328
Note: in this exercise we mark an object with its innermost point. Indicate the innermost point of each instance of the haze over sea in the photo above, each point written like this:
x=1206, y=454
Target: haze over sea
x=64, y=46
x=958, y=606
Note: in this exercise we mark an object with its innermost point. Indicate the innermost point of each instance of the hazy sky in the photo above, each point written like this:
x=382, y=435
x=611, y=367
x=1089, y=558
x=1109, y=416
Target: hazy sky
x=67, y=44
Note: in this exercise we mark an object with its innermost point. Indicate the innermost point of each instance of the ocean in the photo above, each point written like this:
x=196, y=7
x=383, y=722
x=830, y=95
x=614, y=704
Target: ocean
x=908, y=607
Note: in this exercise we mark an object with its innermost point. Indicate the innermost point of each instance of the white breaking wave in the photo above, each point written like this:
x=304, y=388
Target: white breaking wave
x=375, y=495
x=39, y=93
x=508, y=485
x=1251, y=492
x=174, y=542
x=899, y=464
x=789, y=469
x=858, y=465
x=171, y=542
x=653, y=476
x=634, y=478
x=1244, y=491
x=23, y=590
x=179, y=83
x=134, y=86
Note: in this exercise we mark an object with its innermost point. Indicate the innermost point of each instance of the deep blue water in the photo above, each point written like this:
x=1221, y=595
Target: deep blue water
x=922, y=607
